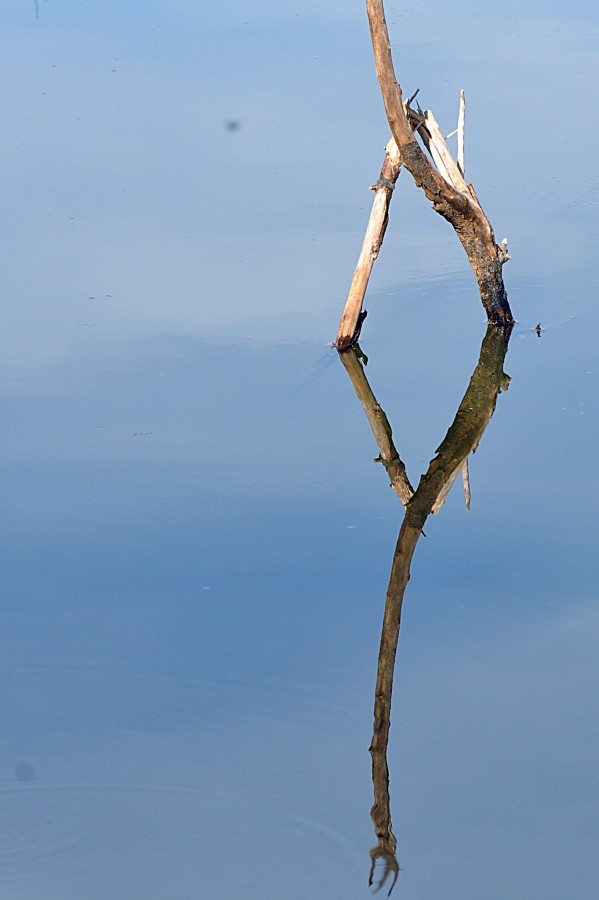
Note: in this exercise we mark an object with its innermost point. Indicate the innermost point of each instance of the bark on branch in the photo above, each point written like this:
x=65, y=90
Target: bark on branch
x=442, y=180
x=375, y=232
x=460, y=208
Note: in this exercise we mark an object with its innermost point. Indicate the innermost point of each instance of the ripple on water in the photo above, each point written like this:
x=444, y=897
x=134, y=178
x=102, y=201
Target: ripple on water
x=212, y=769
x=35, y=832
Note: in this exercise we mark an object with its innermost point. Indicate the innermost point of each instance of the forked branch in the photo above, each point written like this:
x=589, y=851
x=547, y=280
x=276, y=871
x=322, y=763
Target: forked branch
x=460, y=207
x=443, y=182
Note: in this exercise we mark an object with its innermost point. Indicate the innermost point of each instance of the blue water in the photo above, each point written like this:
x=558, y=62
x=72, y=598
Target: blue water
x=195, y=543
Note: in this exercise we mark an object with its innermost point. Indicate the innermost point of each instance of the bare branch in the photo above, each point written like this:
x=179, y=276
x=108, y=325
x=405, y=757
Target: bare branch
x=459, y=208
x=466, y=482
x=461, y=124
x=373, y=239
x=441, y=155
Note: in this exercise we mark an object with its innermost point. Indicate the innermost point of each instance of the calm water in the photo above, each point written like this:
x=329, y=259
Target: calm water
x=195, y=542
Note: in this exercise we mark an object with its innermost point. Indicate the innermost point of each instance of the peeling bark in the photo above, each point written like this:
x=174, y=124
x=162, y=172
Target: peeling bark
x=461, y=209
x=443, y=182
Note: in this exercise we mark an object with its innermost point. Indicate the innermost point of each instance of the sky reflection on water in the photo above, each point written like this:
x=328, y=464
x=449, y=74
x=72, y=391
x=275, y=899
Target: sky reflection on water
x=196, y=545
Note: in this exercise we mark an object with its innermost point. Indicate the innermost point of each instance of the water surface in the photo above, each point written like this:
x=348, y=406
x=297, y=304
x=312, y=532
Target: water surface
x=195, y=541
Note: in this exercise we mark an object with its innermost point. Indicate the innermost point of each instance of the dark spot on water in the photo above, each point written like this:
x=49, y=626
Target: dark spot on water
x=24, y=771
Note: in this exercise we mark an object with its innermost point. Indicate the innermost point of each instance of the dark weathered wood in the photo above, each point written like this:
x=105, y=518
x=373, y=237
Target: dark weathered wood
x=459, y=208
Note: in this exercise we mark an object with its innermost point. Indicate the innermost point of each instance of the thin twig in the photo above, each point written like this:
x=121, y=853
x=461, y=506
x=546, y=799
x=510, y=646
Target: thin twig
x=460, y=129
x=466, y=482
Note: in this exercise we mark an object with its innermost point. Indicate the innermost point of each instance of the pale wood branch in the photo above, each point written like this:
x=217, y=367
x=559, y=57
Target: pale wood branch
x=466, y=482
x=373, y=239
x=461, y=125
x=441, y=155
x=440, y=501
x=461, y=466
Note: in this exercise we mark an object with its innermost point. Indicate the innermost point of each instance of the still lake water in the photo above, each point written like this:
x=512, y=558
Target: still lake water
x=195, y=542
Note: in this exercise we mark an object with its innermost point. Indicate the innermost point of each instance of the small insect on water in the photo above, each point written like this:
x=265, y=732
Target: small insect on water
x=540, y=329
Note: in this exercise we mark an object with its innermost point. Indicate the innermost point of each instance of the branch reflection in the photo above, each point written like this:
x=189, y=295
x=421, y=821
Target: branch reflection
x=465, y=432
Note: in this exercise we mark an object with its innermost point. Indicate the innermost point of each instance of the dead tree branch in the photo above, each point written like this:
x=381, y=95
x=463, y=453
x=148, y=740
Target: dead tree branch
x=375, y=232
x=442, y=180
x=461, y=124
x=460, y=207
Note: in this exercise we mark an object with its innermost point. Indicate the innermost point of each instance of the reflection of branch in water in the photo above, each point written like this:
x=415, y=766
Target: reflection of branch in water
x=387, y=853
x=379, y=423
x=472, y=417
